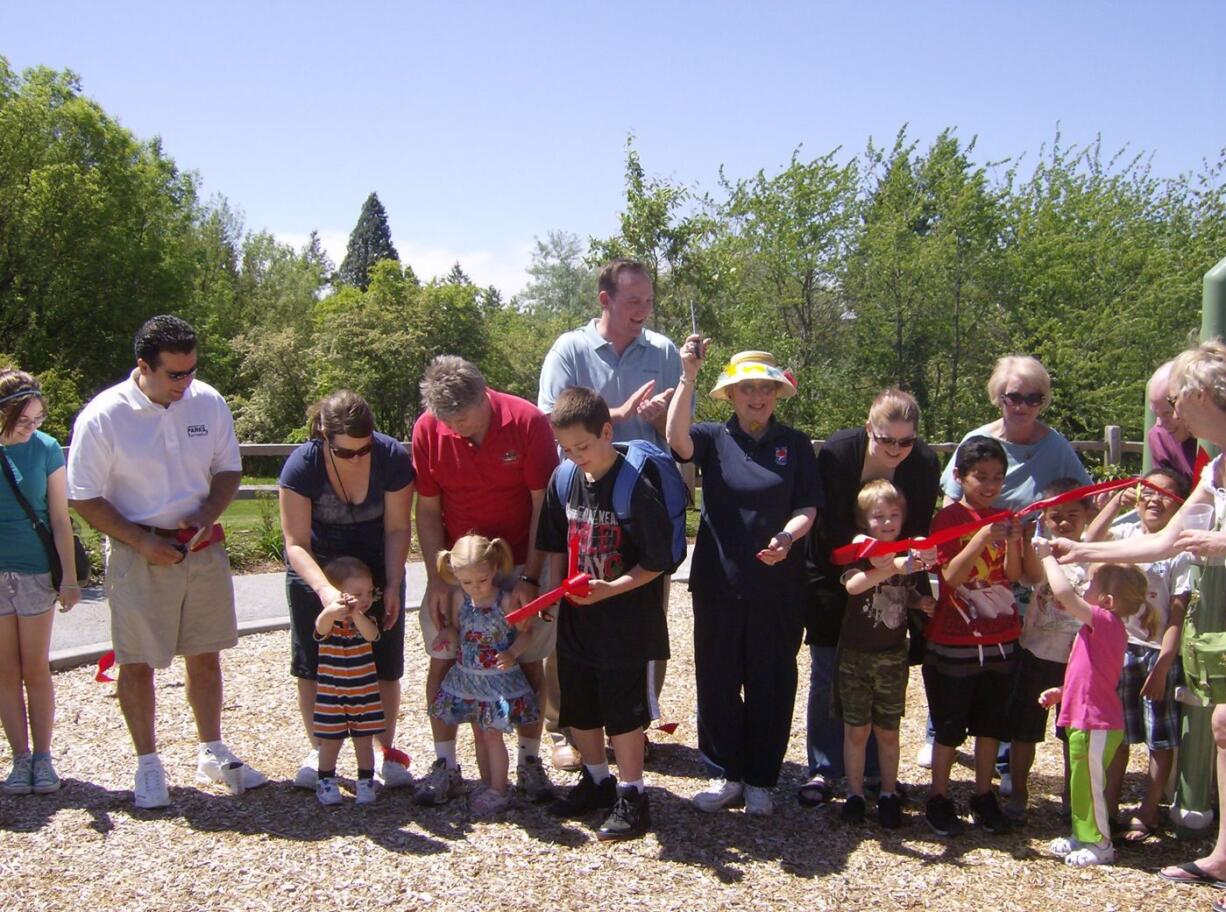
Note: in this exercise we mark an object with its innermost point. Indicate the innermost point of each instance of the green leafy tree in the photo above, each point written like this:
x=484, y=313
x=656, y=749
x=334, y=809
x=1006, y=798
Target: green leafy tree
x=369, y=243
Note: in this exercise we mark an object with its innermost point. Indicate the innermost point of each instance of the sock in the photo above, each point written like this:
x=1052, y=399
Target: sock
x=328, y=774
x=529, y=747
x=623, y=786
x=366, y=774
x=41, y=755
x=217, y=747
x=445, y=750
x=145, y=761
x=598, y=771
x=885, y=795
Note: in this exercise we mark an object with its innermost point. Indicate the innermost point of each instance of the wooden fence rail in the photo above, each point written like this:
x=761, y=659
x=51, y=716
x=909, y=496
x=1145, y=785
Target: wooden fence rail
x=1112, y=446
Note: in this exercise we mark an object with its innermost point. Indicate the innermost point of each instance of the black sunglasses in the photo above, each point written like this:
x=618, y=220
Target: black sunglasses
x=900, y=442
x=345, y=453
x=1031, y=399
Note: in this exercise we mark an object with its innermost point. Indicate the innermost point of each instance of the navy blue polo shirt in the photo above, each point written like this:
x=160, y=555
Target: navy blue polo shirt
x=750, y=488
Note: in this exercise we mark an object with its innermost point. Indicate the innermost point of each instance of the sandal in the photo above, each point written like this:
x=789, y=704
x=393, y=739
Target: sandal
x=1192, y=874
x=815, y=792
x=1134, y=832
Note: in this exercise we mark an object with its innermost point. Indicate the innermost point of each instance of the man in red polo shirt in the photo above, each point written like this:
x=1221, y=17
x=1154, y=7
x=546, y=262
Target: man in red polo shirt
x=483, y=460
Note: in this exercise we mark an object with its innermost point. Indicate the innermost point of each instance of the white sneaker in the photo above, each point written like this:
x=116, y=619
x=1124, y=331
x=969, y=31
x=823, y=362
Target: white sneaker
x=719, y=793
x=307, y=776
x=923, y=756
x=209, y=765
x=150, y=790
x=1063, y=846
x=1087, y=855
x=327, y=791
x=758, y=801
x=365, y=791
x=1006, y=785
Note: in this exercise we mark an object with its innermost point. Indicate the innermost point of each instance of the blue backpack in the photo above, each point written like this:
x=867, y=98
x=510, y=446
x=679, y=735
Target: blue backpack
x=666, y=478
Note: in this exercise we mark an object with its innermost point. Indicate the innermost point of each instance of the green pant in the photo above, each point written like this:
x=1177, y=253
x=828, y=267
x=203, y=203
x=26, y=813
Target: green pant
x=1089, y=755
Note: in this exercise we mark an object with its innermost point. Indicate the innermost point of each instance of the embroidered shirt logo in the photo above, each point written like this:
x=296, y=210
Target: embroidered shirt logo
x=197, y=430
x=781, y=455
x=510, y=456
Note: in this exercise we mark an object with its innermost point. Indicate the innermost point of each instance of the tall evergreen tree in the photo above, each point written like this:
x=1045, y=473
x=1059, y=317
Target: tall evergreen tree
x=370, y=242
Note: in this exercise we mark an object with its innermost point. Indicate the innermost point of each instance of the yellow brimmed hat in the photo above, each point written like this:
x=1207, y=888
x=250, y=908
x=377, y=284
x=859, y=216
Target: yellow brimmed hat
x=752, y=365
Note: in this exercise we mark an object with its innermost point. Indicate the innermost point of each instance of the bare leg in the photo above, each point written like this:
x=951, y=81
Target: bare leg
x=306, y=708
x=136, y=701
x=34, y=634
x=1160, y=763
x=855, y=739
x=204, y=694
x=887, y=757
x=12, y=698
x=985, y=764
x=942, y=763
x=1021, y=759
x=628, y=752
x=389, y=693
x=491, y=744
x=590, y=742
x=364, y=752
x=329, y=751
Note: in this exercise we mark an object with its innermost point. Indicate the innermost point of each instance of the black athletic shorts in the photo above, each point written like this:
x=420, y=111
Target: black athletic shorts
x=615, y=699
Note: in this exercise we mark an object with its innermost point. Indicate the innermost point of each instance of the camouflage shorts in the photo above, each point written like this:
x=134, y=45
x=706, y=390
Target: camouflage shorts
x=871, y=687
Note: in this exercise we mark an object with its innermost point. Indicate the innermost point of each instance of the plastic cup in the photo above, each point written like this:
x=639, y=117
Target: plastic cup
x=1199, y=516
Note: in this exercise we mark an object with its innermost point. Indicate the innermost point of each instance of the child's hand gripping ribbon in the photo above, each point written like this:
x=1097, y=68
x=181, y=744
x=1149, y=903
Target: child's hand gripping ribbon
x=576, y=583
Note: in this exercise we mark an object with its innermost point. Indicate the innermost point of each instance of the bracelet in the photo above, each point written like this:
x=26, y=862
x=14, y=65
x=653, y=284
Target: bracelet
x=531, y=579
x=791, y=538
x=78, y=588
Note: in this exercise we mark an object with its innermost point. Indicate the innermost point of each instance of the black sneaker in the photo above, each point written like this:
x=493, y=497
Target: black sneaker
x=889, y=811
x=942, y=816
x=630, y=817
x=853, y=809
x=987, y=813
x=585, y=797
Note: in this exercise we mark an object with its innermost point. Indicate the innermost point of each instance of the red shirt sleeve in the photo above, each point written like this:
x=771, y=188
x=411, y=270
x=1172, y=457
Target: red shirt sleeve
x=423, y=456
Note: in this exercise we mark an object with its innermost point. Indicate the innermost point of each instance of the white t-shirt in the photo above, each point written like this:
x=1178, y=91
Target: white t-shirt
x=1048, y=630
x=153, y=463
x=1167, y=578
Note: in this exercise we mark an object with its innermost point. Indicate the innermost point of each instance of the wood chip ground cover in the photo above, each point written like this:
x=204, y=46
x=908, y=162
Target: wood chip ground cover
x=86, y=847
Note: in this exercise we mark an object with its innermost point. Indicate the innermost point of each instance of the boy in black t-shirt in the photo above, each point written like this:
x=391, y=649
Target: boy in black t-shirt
x=606, y=638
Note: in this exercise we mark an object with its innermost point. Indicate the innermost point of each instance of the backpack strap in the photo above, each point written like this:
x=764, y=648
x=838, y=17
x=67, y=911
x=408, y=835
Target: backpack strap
x=623, y=486
x=563, y=479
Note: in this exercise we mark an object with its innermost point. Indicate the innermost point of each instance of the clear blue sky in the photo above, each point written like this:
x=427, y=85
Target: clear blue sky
x=482, y=125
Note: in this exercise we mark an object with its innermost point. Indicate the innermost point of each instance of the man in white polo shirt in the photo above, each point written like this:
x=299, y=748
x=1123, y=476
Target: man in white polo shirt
x=153, y=463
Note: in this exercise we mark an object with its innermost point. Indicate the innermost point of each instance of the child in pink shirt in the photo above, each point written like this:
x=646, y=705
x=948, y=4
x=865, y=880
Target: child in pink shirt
x=1090, y=708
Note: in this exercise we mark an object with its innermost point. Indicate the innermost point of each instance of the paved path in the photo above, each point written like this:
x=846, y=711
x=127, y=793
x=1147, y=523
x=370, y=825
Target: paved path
x=80, y=635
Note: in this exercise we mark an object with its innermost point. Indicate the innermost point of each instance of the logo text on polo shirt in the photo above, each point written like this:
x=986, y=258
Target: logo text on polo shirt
x=197, y=430
x=509, y=457
x=781, y=455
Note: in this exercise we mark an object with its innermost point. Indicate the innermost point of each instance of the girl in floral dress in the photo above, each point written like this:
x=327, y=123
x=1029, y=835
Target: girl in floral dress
x=486, y=687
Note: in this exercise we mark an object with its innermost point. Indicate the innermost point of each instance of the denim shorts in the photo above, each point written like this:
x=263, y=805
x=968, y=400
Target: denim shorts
x=25, y=594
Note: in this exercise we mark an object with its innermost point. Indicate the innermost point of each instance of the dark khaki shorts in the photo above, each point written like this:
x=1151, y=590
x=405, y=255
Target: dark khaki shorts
x=871, y=687
x=158, y=613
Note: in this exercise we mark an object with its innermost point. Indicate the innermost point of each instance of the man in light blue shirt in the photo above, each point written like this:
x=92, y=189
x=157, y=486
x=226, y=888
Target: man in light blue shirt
x=633, y=368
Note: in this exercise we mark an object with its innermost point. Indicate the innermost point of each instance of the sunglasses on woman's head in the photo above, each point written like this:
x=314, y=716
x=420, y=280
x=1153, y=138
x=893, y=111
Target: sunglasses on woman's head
x=341, y=452
x=901, y=442
x=1031, y=399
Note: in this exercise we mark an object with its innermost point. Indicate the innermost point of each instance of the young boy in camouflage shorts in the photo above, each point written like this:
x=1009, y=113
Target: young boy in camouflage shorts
x=870, y=685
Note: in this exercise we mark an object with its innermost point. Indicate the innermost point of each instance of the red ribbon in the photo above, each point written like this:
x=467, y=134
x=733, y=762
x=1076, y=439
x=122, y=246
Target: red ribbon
x=576, y=583
x=870, y=547
x=105, y=661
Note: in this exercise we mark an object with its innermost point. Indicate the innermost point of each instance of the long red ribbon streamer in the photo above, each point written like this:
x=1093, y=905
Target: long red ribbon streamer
x=576, y=583
x=870, y=547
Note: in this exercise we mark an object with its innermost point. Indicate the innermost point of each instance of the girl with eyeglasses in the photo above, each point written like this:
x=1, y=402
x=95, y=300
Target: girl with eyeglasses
x=35, y=462
x=347, y=492
x=885, y=447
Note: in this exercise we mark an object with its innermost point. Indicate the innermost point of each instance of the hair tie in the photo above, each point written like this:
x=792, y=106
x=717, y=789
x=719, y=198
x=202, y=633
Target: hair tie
x=24, y=391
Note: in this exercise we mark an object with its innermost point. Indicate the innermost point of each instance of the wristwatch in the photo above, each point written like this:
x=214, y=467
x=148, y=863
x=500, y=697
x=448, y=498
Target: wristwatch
x=531, y=579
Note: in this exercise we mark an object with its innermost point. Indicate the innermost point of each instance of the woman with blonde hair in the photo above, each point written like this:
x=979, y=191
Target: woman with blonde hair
x=347, y=492
x=35, y=480
x=886, y=447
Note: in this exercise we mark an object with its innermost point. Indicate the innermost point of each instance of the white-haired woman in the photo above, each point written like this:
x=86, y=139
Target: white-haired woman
x=760, y=494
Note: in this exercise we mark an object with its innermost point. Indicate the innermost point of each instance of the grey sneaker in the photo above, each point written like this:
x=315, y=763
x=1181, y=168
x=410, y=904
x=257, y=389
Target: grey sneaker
x=532, y=780
x=21, y=780
x=44, y=780
x=440, y=785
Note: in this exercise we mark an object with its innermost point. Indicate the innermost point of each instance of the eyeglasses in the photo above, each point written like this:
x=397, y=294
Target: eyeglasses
x=902, y=443
x=1151, y=496
x=1018, y=399
x=345, y=453
x=176, y=376
x=1171, y=400
x=31, y=422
